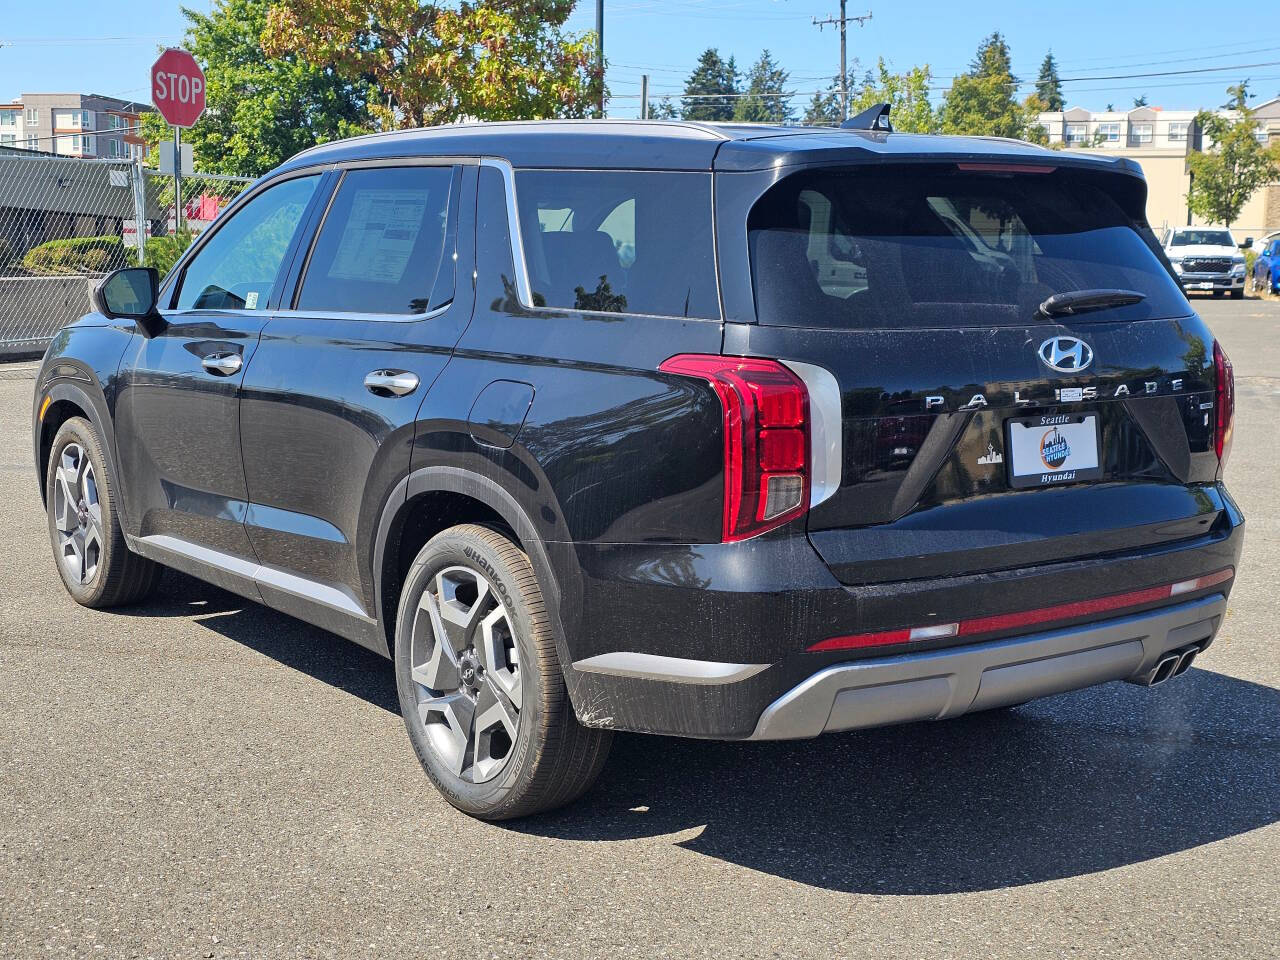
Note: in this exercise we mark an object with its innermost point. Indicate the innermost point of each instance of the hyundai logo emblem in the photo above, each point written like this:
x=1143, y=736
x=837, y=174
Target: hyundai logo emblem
x=1065, y=354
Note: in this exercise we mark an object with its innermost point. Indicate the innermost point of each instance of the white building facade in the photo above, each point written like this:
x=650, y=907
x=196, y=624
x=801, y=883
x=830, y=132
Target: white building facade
x=1158, y=140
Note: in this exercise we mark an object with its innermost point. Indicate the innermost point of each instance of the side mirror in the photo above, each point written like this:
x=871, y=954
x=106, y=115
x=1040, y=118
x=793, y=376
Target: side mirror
x=1248, y=242
x=130, y=294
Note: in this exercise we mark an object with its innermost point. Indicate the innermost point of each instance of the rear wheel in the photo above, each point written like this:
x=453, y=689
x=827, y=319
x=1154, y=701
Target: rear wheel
x=480, y=685
x=95, y=563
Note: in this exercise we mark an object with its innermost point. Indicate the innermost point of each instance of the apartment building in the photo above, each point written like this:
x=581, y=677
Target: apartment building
x=74, y=125
x=1158, y=140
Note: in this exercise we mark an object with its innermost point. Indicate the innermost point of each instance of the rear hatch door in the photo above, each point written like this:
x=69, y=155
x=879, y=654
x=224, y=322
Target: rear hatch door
x=982, y=429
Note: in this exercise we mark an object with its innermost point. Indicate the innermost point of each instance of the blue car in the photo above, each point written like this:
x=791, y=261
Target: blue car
x=1266, y=269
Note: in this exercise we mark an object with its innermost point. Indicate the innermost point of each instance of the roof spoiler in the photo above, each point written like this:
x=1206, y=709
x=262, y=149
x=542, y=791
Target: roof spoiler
x=873, y=118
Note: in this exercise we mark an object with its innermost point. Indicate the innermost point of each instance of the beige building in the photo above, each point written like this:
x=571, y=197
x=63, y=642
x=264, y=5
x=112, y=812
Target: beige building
x=1157, y=140
x=74, y=125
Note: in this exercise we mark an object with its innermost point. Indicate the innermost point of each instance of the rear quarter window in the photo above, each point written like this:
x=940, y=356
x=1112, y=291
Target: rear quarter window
x=939, y=247
x=619, y=241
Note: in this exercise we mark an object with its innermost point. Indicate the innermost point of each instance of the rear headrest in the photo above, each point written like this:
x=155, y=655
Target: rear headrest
x=579, y=260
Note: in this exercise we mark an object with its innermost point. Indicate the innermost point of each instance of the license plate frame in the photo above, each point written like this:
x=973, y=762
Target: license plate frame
x=1204, y=285
x=1026, y=437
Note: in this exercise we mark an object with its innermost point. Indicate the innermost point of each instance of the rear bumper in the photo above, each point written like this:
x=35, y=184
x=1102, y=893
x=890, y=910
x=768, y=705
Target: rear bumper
x=702, y=640
x=948, y=683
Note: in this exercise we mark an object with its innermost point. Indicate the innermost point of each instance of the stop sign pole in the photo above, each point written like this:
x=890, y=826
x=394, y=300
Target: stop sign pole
x=177, y=90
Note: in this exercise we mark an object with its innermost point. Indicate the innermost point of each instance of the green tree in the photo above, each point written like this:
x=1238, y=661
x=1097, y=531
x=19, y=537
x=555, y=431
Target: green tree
x=433, y=63
x=259, y=110
x=1049, y=85
x=1140, y=101
x=711, y=88
x=981, y=102
x=664, y=109
x=1226, y=175
x=906, y=93
x=764, y=100
x=823, y=110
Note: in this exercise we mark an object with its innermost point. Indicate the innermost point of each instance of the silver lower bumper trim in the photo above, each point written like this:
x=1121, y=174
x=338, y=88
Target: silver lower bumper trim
x=948, y=683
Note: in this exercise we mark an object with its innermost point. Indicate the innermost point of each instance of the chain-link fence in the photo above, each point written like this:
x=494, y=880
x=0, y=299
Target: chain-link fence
x=65, y=222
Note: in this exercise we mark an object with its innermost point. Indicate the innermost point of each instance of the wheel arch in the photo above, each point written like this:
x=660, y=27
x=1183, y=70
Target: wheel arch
x=58, y=404
x=431, y=499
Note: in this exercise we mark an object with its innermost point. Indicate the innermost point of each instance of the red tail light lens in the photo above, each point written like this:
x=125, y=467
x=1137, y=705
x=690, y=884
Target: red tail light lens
x=766, y=439
x=1224, y=405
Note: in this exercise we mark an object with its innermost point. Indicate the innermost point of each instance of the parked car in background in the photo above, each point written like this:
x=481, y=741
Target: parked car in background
x=898, y=428
x=1258, y=244
x=1266, y=269
x=1206, y=260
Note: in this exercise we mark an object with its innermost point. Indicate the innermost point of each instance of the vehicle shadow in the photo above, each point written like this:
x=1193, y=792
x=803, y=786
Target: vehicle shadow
x=1071, y=785
x=297, y=645
x=1067, y=786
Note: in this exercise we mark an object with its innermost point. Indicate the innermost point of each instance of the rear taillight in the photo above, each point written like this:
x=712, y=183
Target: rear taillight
x=767, y=469
x=1224, y=404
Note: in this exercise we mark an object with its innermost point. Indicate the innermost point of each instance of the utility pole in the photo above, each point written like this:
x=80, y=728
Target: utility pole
x=843, y=21
x=600, y=50
x=644, y=96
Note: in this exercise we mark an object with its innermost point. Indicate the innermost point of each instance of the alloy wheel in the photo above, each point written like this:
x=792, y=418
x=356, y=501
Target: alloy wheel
x=77, y=514
x=466, y=673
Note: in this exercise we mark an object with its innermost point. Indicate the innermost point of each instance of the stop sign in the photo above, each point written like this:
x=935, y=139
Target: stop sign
x=177, y=87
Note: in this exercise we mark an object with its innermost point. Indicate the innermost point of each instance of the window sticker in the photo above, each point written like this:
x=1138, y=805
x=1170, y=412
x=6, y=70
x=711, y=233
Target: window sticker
x=379, y=236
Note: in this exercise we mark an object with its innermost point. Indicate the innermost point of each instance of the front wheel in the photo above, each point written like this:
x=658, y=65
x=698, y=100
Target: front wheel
x=1237, y=294
x=95, y=563
x=480, y=685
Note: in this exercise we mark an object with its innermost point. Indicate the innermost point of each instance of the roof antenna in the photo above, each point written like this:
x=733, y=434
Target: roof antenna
x=872, y=118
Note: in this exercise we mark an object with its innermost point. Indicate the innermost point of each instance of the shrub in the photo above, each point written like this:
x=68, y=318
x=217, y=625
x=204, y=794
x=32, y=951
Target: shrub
x=163, y=252
x=74, y=255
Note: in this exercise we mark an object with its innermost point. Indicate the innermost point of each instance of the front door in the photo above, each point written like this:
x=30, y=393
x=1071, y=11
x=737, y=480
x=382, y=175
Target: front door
x=177, y=418
x=332, y=393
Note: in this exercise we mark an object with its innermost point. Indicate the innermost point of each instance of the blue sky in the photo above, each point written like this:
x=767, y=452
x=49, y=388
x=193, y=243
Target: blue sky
x=107, y=47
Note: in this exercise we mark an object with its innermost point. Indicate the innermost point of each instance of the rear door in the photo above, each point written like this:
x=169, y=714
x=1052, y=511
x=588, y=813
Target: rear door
x=177, y=420
x=983, y=427
x=374, y=309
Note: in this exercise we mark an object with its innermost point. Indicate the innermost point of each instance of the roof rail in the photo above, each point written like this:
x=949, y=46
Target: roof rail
x=872, y=118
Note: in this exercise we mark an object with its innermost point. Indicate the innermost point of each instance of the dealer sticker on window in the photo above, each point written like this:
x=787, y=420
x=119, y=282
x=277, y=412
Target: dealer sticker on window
x=1056, y=448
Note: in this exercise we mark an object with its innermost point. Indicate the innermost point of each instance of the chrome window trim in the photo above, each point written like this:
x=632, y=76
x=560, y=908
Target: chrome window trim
x=355, y=315
x=524, y=289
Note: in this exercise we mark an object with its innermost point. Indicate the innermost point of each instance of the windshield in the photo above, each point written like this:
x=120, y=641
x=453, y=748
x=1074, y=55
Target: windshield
x=932, y=246
x=1202, y=238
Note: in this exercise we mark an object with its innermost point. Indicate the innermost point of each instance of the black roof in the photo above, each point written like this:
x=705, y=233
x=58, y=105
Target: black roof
x=682, y=145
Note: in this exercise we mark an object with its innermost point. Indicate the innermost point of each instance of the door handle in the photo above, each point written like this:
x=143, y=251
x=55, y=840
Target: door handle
x=395, y=382
x=222, y=364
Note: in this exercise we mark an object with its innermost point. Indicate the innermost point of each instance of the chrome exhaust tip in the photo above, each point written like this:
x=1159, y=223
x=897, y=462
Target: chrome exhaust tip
x=1164, y=669
x=1184, y=664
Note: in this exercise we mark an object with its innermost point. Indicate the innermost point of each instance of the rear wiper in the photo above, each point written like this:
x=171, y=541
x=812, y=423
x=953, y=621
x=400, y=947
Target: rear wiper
x=1082, y=301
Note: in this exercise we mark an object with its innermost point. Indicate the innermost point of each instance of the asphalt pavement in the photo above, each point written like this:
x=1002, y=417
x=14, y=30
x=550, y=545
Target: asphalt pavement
x=203, y=777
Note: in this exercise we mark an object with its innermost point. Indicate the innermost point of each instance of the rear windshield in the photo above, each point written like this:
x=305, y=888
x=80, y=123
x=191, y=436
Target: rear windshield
x=938, y=247
x=1205, y=238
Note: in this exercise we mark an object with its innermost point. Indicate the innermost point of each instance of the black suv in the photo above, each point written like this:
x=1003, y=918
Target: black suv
x=716, y=431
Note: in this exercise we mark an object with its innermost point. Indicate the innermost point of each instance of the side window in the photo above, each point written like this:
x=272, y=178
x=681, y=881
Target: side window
x=619, y=241
x=386, y=244
x=237, y=267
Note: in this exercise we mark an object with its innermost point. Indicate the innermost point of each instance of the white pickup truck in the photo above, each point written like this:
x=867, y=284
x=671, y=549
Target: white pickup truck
x=1206, y=259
